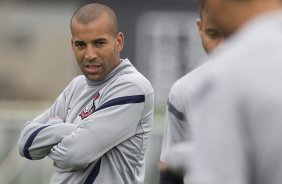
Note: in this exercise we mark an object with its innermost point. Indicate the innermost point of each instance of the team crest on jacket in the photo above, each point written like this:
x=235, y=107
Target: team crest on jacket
x=89, y=108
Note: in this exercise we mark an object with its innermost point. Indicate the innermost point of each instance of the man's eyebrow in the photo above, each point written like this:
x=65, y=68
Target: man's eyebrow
x=95, y=40
x=100, y=40
x=78, y=42
x=211, y=30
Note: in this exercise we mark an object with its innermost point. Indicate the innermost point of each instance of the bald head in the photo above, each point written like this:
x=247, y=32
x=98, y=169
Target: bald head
x=92, y=12
x=230, y=15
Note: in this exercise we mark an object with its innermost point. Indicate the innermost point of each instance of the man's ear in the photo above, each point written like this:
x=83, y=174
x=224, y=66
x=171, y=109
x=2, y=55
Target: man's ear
x=72, y=44
x=120, y=41
x=199, y=24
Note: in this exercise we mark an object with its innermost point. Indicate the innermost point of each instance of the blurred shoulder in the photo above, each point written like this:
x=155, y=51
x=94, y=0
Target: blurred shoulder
x=188, y=82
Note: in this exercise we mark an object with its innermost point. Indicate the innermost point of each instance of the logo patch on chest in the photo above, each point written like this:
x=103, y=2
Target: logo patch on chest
x=89, y=108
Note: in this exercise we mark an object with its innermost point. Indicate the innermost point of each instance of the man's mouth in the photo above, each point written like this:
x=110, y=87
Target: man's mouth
x=92, y=68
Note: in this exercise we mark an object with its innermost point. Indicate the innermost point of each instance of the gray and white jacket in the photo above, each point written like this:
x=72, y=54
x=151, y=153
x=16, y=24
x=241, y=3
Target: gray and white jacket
x=95, y=132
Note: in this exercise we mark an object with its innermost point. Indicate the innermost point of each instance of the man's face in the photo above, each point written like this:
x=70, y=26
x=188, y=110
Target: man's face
x=210, y=34
x=96, y=48
x=224, y=14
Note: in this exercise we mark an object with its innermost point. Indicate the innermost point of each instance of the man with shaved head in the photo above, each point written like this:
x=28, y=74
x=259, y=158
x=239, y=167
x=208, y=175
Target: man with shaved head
x=237, y=105
x=92, y=12
x=97, y=130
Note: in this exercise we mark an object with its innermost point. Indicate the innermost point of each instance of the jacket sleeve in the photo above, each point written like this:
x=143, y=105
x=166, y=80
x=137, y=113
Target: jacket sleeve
x=176, y=126
x=113, y=122
x=38, y=136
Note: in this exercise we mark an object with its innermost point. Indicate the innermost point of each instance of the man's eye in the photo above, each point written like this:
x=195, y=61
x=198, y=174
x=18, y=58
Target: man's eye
x=100, y=43
x=79, y=45
x=213, y=35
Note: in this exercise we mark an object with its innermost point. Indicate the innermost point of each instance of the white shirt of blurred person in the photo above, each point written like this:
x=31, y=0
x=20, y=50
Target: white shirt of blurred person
x=237, y=119
x=177, y=129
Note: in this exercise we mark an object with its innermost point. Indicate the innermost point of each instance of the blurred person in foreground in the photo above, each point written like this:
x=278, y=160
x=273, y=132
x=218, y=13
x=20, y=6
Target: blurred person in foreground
x=237, y=105
x=177, y=128
x=97, y=130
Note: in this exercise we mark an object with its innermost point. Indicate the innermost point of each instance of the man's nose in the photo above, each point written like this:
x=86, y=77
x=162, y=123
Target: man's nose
x=90, y=53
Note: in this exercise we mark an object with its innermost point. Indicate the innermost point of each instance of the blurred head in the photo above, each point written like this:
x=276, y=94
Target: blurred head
x=230, y=15
x=210, y=34
x=96, y=40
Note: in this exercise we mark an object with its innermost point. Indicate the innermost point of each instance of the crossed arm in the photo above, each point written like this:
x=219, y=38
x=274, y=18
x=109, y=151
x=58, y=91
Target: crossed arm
x=74, y=147
x=45, y=131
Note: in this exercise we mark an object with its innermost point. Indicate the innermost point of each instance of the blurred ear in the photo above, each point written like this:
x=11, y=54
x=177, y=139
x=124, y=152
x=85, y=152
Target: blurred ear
x=72, y=44
x=199, y=25
x=120, y=41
